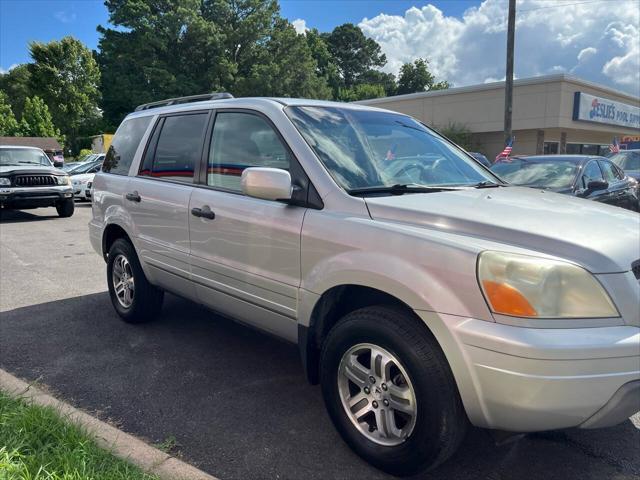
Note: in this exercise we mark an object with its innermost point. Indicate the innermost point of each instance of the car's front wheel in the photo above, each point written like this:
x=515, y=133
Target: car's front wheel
x=65, y=208
x=390, y=392
x=132, y=296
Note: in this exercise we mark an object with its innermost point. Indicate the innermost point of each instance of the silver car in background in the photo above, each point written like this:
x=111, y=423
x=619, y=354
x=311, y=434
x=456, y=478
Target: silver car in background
x=423, y=293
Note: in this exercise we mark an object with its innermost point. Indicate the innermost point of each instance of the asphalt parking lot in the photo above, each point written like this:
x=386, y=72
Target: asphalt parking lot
x=229, y=399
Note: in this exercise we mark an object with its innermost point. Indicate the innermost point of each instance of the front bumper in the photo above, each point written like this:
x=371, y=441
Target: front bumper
x=33, y=197
x=80, y=191
x=532, y=379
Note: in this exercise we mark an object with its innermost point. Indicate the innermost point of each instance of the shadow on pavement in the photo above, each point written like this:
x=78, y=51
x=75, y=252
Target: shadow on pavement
x=17, y=216
x=237, y=403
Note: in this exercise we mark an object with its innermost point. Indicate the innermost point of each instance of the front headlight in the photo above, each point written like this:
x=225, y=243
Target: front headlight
x=525, y=286
x=5, y=182
x=63, y=179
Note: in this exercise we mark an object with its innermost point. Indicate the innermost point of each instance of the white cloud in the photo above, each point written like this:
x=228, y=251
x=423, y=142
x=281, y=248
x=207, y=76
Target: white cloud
x=3, y=71
x=589, y=39
x=300, y=25
x=65, y=17
x=585, y=53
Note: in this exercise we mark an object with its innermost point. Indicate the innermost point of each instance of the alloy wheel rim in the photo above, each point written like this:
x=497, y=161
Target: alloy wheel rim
x=377, y=394
x=123, y=282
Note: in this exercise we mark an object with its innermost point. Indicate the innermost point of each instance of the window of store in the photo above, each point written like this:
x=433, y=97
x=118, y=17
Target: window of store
x=586, y=149
x=551, y=148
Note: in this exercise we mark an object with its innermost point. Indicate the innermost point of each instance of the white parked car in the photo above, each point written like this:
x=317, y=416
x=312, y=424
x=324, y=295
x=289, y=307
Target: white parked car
x=423, y=292
x=81, y=177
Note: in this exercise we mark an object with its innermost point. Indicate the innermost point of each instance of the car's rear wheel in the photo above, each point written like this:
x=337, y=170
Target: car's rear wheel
x=390, y=392
x=132, y=296
x=65, y=208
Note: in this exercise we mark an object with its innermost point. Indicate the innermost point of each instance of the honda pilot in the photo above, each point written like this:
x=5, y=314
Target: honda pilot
x=424, y=293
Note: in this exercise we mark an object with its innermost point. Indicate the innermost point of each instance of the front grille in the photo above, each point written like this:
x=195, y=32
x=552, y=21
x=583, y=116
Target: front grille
x=635, y=268
x=34, y=180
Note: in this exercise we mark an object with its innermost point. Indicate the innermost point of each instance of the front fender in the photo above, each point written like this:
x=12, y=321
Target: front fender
x=426, y=273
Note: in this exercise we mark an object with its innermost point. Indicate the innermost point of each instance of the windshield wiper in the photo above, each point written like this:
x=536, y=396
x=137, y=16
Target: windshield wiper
x=487, y=184
x=399, y=189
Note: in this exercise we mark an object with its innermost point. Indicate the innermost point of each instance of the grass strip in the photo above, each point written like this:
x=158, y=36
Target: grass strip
x=37, y=444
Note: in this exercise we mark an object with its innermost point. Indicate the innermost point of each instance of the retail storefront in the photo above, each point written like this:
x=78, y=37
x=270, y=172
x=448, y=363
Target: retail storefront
x=551, y=114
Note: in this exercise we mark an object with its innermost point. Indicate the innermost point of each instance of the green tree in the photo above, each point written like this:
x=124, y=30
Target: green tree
x=386, y=80
x=354, y=53
x=362, y=91
x=8, y=122
x=159, y=49
x=416, y=77
x=325, y=62
x=66, y=76
x=458, y=133
x=245, y=26
x=16, y=83
x=284, y=67
x=36, y=120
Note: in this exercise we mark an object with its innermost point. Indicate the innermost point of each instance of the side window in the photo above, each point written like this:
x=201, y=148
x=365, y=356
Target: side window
x=177, y=153
x=242, y=140
x=609, y=171
x=124, y=145
x=591, y=173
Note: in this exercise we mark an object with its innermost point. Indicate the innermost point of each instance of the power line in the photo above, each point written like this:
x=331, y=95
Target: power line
x=577, y=3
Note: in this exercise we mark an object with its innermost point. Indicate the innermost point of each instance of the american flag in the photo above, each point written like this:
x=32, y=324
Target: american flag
x=503, y=156
x=615, y=146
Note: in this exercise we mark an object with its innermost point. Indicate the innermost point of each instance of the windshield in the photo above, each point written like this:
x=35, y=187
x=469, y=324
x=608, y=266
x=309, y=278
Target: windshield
x=542, y=174
x=368, y=149
x=626, y=160
x=23, y=156
x=85, y=167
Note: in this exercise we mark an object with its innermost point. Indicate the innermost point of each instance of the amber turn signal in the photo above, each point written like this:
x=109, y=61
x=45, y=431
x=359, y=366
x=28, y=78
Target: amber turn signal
x=507, y=300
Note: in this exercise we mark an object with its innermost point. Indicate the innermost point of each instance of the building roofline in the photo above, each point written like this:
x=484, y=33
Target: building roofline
x=559, y=77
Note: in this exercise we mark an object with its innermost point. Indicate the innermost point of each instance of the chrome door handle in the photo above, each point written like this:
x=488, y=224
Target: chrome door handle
x=204, y=212
x=133, y=196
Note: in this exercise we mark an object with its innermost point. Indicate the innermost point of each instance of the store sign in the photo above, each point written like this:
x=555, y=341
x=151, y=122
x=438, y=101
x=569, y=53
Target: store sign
x=589, y=108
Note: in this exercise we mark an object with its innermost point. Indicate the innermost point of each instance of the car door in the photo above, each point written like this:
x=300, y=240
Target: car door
x=590, y=173
x=619, y=191
x=158, y=198
x=245, y=253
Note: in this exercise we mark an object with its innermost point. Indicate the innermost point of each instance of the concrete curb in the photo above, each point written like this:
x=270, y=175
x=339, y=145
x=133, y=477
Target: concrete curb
x=120, y=444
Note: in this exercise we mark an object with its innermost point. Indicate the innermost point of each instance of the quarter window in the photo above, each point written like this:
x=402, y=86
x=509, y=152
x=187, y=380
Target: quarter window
x=591, y=173
x=124, y=145
x=242, y=140
x=179, y=148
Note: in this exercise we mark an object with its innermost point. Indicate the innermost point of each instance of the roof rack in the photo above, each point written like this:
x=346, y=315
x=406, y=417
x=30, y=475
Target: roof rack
x=178, y=100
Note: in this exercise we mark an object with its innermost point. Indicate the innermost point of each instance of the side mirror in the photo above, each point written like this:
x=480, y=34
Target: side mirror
x=266, y=183
x=595, y=185
x=58, y=163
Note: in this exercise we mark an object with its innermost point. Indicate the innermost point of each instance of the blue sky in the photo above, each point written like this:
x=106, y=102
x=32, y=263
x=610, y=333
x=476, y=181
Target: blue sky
x=52, y=19
x=463, y=40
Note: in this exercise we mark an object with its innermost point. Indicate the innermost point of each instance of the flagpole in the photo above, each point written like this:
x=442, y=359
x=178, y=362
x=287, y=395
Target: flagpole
x=508, y=91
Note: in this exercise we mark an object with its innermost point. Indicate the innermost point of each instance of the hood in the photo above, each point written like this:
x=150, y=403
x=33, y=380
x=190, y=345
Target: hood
x=26, y=169
x=602, y=238
x=82, y=177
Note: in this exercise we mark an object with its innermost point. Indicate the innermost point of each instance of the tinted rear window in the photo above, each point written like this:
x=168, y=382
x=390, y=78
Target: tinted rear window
x=179, y=148
x=124, y=145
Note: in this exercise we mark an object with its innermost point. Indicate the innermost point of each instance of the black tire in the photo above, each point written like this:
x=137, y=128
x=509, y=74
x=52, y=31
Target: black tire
x=441, y=420
x=147, y=299
x=65, y=208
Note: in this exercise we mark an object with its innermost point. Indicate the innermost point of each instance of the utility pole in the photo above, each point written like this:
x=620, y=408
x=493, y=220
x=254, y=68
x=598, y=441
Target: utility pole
x=508, y=90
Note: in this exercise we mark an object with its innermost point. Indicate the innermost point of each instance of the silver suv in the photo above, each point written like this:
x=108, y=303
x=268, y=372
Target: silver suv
x=423, y=293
